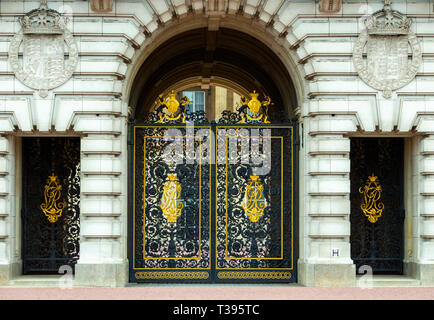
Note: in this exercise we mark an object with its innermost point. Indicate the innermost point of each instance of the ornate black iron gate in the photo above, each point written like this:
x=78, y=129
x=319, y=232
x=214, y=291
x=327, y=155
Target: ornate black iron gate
x=377, y=211
x=50, y=207
x=212, y=202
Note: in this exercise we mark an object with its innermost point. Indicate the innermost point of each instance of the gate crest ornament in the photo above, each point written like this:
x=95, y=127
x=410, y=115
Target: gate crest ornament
x=43, y=36
x=371, y=205
x=385, y=42
x=168, y=108
x=254, y=110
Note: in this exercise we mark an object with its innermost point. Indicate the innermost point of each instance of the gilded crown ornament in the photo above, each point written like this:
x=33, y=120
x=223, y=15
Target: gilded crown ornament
x=385, y=41
x=254, y=201
x=52, y=206
x=43, y=36
x=254, y=110
x=371, y=205
x=169, y=109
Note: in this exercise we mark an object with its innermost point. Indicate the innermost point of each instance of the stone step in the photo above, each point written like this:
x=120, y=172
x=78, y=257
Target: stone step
x=387, y=281
x=37, y=281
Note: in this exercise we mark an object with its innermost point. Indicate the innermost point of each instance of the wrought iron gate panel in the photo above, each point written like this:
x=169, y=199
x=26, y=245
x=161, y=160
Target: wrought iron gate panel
x=377, y=212
x=256, y=246
x=171, y=236
x=221, y=206
x=50, y=211
x=211, y=238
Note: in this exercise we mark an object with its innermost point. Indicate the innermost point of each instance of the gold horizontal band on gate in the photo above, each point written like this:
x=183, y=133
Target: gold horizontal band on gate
x=253, y=275
x=171, y=275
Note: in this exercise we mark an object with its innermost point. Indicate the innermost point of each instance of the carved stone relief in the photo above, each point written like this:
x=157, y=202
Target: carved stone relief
x=385, y=42
x=42, y=38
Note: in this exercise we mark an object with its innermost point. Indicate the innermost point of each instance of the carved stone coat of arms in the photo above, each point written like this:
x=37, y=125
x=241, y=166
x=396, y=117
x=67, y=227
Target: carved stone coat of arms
x=393, y=54
x=44, y=42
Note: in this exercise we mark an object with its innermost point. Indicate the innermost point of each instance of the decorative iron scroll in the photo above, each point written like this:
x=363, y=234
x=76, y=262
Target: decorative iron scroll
x=52, y=207
x=166, y=183
x=371, y=205
x=254, y=223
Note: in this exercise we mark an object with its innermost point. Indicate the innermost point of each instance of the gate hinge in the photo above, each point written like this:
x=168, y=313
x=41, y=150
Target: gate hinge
x=296, y=143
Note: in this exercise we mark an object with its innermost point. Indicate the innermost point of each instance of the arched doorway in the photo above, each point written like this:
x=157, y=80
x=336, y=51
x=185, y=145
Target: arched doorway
x=213, y=195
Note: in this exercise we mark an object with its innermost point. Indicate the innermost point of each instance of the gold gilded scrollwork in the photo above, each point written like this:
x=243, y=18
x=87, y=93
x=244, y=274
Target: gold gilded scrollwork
x=254, y=275
x=52, y=207
x=170, y=109
x=258, y=110
x=170, y=203
x=371, y=205
x=254, y=201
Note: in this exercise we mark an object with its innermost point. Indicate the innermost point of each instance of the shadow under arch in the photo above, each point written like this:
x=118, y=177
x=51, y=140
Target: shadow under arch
x=207, y=56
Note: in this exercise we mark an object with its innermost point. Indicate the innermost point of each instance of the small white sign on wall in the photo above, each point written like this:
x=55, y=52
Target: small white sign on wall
x=335, y=252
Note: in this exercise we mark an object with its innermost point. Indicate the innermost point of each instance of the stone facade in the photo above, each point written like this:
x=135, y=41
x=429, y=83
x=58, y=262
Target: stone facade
x=334, y=104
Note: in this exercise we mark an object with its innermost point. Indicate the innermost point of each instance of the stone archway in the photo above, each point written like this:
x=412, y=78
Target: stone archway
x=242, y=40
x=232, y=56
x=207, y=55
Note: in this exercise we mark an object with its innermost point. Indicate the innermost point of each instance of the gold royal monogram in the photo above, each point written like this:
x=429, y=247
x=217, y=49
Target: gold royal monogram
x=170, y=203
x=371, y=205
x=52, y=208
x=254, y=201
x=254, y=110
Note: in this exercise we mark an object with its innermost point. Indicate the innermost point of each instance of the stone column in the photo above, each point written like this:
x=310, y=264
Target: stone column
x=325, y=258
x=424, y=215
x=103, y=254
x=7, y=212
